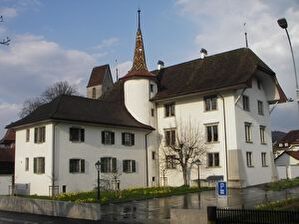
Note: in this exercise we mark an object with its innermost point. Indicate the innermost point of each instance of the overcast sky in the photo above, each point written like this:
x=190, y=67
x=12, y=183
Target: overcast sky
x=61, y=40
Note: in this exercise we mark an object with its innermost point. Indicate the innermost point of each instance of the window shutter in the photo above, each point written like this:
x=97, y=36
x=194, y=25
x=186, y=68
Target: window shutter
x=103, y=137
x=34, y=165
x=70, y=166
x=71, y=134
x=124, y=166
x=43, y=134
x=103, y=165
x=133, y=139
x=122, y=138
x=112, y=138
x=82, y=135
x=113, y=164
x=35, y=135
x=133, y=166
x=82, y=164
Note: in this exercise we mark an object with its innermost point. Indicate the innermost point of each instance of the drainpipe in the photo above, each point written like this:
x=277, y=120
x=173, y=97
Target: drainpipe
x=225, y=136
x=53, y=157
x=146, y=158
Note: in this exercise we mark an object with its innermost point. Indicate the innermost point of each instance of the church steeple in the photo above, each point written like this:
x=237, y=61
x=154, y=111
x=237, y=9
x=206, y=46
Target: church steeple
x=139, y=62
x=139, y=68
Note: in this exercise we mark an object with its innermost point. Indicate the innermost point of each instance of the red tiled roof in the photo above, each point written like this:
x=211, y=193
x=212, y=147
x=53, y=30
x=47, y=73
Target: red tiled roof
x=97, y=75
x=294, y=154
x=291, y=138
x=9, y=137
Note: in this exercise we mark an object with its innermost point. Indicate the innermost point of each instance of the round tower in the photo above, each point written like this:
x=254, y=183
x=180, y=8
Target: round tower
x=140, y=85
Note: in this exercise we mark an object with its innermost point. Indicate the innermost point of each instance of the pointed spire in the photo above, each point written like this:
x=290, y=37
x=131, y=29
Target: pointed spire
x=139, y=62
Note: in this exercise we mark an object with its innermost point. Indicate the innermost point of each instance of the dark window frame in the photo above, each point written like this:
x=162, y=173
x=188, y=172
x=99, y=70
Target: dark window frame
x=40, y=134
x=212, y=134
x=128, y=139
x=39, y=165
x=170, y=161
x=108, y=138
x=246, y=103
x=170, y=137
x=169, y=109
x=129, y=166
x=260, y=107
x=108, y=165
x=213, y=159
x=211, y=103
x=76, y=165
x=249, y=159
x=76, y=134
x=248, y=132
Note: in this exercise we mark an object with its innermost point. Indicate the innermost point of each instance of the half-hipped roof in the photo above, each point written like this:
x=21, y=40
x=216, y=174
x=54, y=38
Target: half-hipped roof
x=229, y=70
x=98, y=74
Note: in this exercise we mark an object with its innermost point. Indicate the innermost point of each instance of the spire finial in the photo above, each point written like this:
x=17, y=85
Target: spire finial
x=139, y=11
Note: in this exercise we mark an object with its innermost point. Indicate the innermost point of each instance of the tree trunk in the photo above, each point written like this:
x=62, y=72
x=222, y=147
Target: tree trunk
x=185, y=176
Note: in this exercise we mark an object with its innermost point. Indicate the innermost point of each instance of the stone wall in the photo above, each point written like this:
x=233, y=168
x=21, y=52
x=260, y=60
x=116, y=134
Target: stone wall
x=89, y=211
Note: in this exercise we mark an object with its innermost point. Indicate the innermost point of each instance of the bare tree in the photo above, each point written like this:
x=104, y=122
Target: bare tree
x=7, y=40
x=57, y=89
x=189, y=146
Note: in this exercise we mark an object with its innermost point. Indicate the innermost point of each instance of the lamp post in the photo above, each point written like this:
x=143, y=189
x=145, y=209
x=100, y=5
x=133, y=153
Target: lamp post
x=98, y=168
x=284, y=25
x=198, y=163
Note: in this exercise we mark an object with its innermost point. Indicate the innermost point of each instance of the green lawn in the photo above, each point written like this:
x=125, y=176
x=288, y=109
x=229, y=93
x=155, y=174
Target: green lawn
x=288, y=204
x=124, y=195
x=282, y=184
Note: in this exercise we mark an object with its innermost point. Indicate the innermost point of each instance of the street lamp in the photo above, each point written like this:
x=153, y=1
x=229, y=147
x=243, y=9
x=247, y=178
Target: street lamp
x=198, y=163
x=98, y=168
x=284, y=25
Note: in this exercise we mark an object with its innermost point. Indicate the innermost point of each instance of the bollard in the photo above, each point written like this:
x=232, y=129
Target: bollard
x=211, y=212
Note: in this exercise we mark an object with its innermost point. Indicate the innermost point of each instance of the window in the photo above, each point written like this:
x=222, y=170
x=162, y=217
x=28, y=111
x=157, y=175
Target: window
x=153, y=155
x=26, y=164
x=249, y=159
x=151, y=88
x=260, y=107
x=129, y=166
x=77, y=165
x=213, y=159
x=77, y=134
x=264, y=159
x=107, y=137
x=210, y=103
x=108, y=165
x=27, y=135
x=170, y=162
x=39, y=134
x=212, y=133
x=39, y=165
x=262, y=134
x=248, y=135
x=63, y=188
x=169, y=109
x=246, y=103
x=152, y=112
x=128, y=139
x=170, y=137
x=153, y=179
x=94, y=93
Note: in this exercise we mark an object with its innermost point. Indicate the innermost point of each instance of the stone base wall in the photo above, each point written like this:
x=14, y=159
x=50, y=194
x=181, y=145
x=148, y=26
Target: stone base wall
x=90, y=211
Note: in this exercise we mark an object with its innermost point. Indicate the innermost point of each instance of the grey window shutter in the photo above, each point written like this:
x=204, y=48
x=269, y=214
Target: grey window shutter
x=133, y=166
x=114, y=165
x=82, y=165
x=133, y=139
x=103, y=137
x=82, y=135
x=123, y=138
x=112, y=136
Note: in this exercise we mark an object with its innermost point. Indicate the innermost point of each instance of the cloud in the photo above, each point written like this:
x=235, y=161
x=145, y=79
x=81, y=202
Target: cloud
x=8, y=13
x=33, y=63
x=219, y=26
x=8, y=112
x=107, y=43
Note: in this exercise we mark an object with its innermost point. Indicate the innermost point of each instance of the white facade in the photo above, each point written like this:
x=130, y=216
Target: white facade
x=91, y=150
x=192, y=109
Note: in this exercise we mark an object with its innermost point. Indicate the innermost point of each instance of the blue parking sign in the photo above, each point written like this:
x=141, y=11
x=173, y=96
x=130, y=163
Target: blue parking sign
x=221, y=188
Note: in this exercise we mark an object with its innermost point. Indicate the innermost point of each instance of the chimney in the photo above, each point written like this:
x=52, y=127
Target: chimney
x=160, y=65
x=203, y=53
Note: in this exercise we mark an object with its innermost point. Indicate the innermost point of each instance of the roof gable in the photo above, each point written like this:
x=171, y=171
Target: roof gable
x=98, y=74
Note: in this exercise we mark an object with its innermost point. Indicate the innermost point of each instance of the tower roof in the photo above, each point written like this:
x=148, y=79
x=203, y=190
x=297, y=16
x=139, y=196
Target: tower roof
x=139, y=68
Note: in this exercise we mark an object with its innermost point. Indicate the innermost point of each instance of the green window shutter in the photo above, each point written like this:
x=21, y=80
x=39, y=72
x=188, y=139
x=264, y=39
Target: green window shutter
x=35, y=134
x=112, y=137
x=103, y=137
x=124, y=166
x=82, y=166
x=123, y=138
x=103, y=165
x=34, y=165
x=114, y=165
x=133, y=166
x=133, y=139
x=82, y=135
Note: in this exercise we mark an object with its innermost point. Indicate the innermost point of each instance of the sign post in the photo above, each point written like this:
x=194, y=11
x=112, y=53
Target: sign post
x=221, y=189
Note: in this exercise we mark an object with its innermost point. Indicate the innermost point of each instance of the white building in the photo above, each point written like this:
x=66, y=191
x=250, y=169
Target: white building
x=226, y=95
